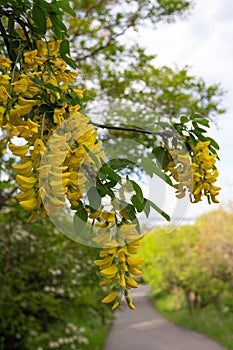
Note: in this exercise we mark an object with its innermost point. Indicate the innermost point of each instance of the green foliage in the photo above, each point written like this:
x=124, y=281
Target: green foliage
x=215, y=323
x=193, y=262
x=49, y=286
x=129, y=88
x=33, y=18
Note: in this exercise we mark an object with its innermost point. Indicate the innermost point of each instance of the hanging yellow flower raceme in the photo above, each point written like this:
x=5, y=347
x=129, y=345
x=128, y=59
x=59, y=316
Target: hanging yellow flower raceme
x=118, y=266
x=204, y=173
x=196, y=173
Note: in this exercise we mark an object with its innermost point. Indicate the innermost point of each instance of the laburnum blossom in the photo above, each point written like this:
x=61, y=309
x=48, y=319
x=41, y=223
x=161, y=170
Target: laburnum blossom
x=5, y=63
x=204, y=173
x=196, y=174
x=117, y=265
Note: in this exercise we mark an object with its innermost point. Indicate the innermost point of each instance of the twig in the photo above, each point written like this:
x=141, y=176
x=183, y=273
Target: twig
x=166, y=133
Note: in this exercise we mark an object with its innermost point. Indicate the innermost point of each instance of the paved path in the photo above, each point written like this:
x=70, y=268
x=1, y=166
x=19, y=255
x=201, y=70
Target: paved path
x=145, y=329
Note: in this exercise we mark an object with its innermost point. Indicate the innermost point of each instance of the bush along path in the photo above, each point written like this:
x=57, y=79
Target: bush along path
x=147, y=329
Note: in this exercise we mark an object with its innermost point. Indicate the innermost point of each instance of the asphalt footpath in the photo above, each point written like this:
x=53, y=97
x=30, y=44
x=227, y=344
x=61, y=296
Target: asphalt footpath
x=146, y=329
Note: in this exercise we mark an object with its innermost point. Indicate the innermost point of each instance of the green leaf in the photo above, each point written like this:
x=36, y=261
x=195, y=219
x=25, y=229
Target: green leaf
x=195, y=124
x=137, y=199
x=64, y=47
x=161, y=155
x=130, y=211
x=184, y=119
x=69, y=61
x=160, y=211
x=105, y=172
x=80, y=219
x=59, y=28
x=104, y=190
x=52, y=87
x=87, y=98
x=94, y=198
x=138, y=204
x=146, y=207
x=203, y=121
x=39, y=18
x=137, y=188
x=213, y=143
x=120, y=164
x=64, y=5
x=151, y=168
x=91, y=155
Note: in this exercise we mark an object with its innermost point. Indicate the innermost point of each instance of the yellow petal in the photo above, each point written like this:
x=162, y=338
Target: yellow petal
x=30, y=204
x=110, y=297
x=117, y=303
x=109, y=271
x=135, y=262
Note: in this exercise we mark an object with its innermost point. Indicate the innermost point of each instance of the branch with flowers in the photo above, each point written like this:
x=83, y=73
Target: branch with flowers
x=59, y=158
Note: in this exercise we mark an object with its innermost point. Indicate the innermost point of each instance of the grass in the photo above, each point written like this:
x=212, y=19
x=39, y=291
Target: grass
x=216, y=324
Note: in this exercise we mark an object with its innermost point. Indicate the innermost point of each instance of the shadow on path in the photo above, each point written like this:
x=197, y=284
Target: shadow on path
x=146, y=329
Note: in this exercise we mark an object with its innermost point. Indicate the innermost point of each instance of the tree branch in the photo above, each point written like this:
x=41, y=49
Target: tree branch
x=166, y=133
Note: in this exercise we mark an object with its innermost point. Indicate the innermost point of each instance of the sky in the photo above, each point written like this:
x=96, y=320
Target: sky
x=203, y=41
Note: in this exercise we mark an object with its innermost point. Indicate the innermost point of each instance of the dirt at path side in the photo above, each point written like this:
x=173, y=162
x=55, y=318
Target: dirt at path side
x=146, y=329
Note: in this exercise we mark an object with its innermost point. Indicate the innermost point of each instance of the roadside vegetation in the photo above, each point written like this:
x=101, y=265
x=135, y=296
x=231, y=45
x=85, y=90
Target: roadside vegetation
x=190, y=271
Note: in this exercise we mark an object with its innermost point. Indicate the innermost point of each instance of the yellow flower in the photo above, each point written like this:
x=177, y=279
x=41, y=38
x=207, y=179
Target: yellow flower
x=117, y=303
x=25, y=195
x=4, y=94
x=74, y=109
x=25, y=102
x=53, y=46
x=110, y=297
x=18, y=150
x=5, y=63
x=72, y=76
x=39, y=147
x=109, y=216
x=31, y=91
x=79, y=93
x=19, y=111
x=4, y=80
x=58, y=115
x=34, y=127
x=135, y=262
x=29, y=57
x=109, y=272
x=23, y=168
x=131, y=306
x=2, y=111
x=42, y=47
x=20, y=85
x=30, y=204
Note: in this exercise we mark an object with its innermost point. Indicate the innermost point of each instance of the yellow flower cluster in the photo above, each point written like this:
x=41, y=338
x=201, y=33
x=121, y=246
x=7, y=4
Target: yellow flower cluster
x=27, y=176
x=39, y=105
x=180, y=169
x=63, y=173
x=204, y=173
x=32, y=105
x=117, y=266
x=195, y=173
